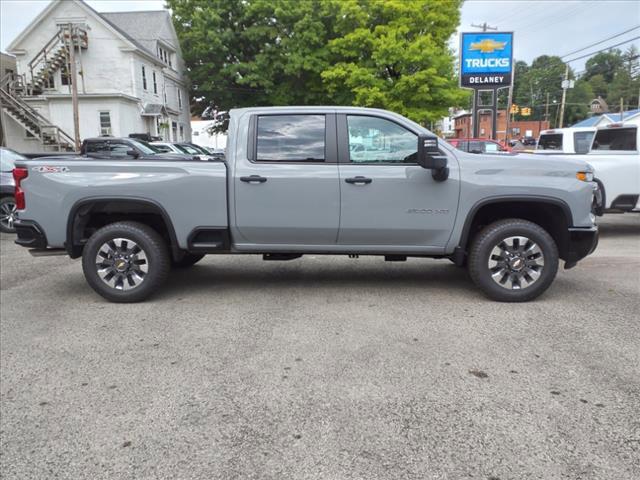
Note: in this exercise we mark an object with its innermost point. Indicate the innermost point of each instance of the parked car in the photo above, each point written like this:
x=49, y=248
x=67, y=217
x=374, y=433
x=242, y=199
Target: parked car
x=615, y=156
x=182, y=148
x=8, y=212
x=479, y=145
x=565, y=140
x=217, y=153
x=122, y=148
x=290, y=186
x=528, y=141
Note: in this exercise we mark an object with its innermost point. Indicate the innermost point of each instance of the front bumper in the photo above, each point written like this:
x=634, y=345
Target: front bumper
x=30, y=235
x=582, y=242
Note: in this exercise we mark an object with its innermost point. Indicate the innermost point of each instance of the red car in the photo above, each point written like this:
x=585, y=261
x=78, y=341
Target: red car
x=478, y=145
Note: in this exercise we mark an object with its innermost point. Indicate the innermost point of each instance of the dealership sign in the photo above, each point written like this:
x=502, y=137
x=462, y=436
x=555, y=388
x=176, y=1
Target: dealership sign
x=486, y=60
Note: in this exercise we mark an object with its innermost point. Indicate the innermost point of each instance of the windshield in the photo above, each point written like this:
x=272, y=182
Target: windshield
x=143, y=147
x=199, y=148
x=186, y=149
x=550, y=141
x=155, y=148
x=616, y=139
x=8, y=159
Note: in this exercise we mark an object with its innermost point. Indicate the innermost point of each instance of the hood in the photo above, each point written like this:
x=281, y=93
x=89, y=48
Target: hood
x=526, y=161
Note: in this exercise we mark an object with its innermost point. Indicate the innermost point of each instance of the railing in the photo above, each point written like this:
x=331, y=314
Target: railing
x=44, y=125
x=63, y=37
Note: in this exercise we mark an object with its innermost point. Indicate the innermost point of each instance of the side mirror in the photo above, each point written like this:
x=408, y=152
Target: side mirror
x=429, y=157
x=133, y=153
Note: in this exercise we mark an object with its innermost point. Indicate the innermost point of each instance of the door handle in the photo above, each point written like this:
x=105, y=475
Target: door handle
x=358, y=180
x=253, y=179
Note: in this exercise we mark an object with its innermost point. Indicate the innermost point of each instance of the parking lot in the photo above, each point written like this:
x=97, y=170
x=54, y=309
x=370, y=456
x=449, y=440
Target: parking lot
x=322, y=368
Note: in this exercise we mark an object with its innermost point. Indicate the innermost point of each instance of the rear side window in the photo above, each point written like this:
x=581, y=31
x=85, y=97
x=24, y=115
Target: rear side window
x=291, y=138
x=97, y=147
x=550, y=141
x=582, y=141
x=616, y=139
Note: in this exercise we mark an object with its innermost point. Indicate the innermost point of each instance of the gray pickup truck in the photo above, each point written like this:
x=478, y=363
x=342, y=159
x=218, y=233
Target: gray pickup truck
x=312, y=180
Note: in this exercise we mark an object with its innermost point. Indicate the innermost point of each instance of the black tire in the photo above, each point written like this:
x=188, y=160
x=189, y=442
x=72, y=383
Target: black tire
x=187, y=260
x=492, y=237
x=151, y=245
x=7, y=207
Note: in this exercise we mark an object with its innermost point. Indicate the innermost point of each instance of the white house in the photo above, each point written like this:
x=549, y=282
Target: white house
x=130, y=78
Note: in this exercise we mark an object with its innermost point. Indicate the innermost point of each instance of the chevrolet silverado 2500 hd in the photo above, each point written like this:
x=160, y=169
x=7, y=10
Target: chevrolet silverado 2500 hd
x=312, y=180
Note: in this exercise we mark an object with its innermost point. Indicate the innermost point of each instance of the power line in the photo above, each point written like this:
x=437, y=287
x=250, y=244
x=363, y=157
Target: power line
x=602, y=50
x=601, y=41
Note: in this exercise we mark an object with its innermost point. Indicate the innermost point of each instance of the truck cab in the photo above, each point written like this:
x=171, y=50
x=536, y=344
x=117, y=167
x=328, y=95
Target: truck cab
x=565, y=140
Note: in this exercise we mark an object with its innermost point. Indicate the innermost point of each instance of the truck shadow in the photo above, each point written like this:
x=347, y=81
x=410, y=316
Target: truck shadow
x=613, y=225
x=253, y=275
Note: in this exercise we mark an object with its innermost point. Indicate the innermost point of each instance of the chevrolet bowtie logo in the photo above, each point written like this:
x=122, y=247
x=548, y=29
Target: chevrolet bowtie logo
x=488, y=46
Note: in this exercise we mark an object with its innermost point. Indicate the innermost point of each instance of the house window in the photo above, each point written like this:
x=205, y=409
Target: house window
x=174, y=130
x=179, y=98
x=105, y=123
x=48, y=82
x=182, y=132
x=65, y=75
x=155, y=84
x=164, y=55
x=144, y=78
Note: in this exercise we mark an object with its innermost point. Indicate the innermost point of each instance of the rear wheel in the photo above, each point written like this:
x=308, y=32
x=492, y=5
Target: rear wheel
x=8, y=214
x=125, y=261
x=513, y=260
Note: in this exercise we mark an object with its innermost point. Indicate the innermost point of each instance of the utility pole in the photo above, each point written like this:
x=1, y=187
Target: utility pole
x=74, y=88
x=621, y=108
x=484, y=27
x=508, y=119
x=565, y=85
x=546, y=111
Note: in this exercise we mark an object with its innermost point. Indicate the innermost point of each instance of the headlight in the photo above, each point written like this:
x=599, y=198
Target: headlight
x=585, y=176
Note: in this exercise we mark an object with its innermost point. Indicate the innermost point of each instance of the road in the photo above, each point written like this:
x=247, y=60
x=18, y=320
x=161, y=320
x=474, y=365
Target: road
x=322, y=368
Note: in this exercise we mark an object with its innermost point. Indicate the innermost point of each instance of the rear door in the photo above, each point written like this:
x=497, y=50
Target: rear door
x=386, y=198
x=287, y=191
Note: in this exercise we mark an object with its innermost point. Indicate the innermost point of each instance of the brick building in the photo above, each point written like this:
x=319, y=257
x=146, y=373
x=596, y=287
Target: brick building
x=518, y=129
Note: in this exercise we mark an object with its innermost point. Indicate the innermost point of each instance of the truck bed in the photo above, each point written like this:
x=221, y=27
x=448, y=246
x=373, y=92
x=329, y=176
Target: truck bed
x=192, y=193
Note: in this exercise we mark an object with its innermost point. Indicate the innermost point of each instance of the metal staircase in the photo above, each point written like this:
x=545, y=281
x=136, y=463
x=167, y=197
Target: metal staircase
x=13, y=88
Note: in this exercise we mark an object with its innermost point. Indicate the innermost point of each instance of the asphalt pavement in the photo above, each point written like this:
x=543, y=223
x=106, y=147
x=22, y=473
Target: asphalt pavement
x=322, y=368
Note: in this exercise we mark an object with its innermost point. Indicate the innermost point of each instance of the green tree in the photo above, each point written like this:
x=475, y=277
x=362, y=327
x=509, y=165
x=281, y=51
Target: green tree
x=391, y=54
x=532, y=83
x=606, y=64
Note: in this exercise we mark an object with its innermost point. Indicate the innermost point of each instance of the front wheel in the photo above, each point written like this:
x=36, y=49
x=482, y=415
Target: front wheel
x=125, y=261
x=513, y=260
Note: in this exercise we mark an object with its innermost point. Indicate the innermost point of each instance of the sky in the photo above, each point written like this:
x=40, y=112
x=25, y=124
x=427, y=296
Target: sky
x=542, y=27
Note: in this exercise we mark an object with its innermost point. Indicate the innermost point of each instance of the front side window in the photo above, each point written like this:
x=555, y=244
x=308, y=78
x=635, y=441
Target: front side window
x=119, y=149
x=291, y=138
x=376, y=140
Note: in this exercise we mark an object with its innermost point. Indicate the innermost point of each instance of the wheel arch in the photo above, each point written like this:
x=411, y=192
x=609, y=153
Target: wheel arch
x=552, y=214
x=88, y=214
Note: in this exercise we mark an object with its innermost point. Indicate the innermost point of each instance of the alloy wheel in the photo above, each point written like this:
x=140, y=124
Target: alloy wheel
x=516, y=263
x=122, y=264
x=8, y=214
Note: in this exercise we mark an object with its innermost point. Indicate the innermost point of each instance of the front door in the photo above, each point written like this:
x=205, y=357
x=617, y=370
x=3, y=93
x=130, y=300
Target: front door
x=287, y=191
x=386, y=198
